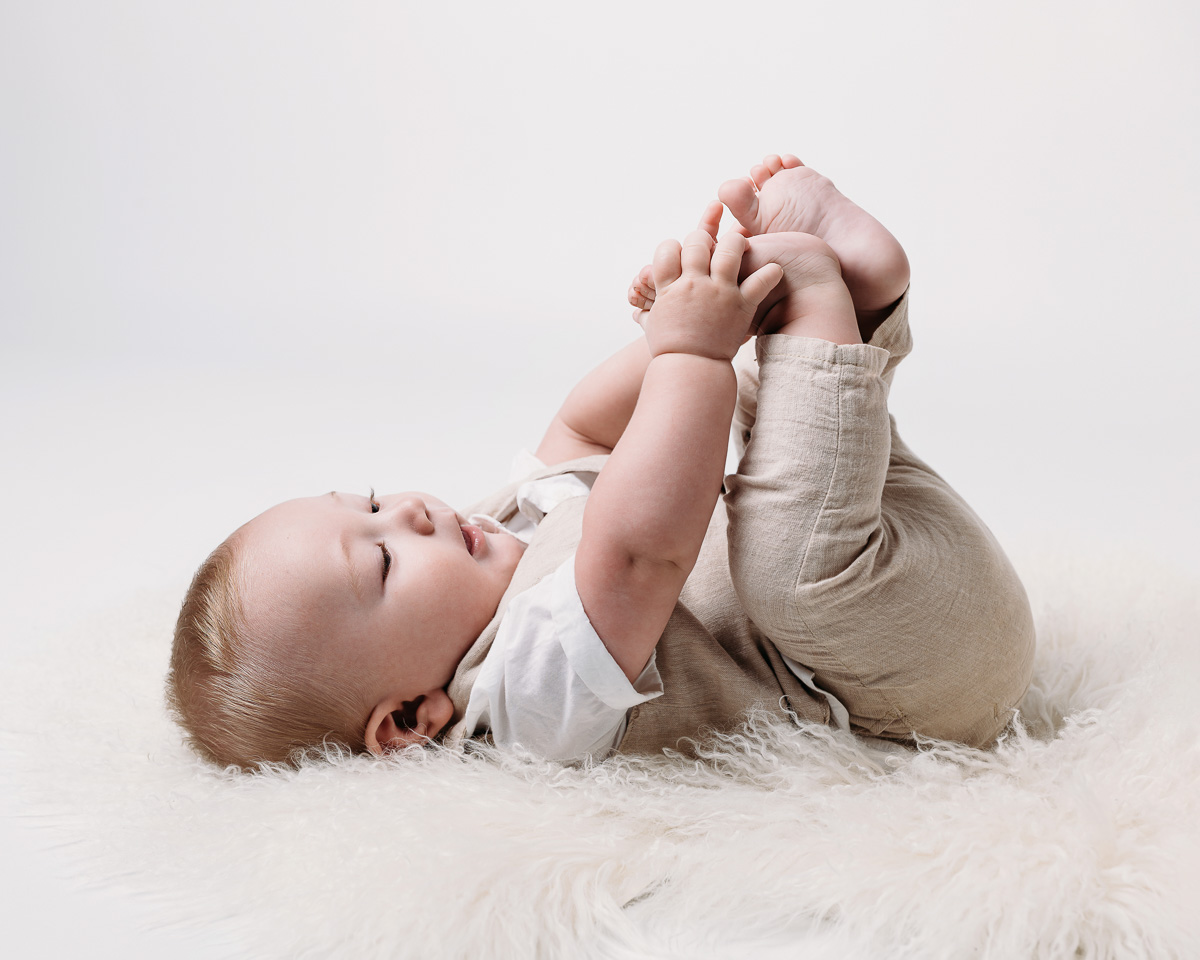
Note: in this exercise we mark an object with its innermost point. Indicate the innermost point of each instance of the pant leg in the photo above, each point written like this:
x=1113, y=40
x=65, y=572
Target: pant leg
x=860, y=562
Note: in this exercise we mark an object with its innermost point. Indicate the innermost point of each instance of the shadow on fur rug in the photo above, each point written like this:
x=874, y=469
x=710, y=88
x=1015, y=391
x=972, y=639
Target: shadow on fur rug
x=1078, y=835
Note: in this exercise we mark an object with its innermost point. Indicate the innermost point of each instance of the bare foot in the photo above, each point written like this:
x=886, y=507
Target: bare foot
x=781, y=195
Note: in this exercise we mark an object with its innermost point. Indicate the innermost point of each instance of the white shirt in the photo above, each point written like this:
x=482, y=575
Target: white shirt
x=548, y=683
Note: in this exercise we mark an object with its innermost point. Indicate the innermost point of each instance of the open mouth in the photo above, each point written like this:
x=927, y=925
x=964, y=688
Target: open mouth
x=472, y=535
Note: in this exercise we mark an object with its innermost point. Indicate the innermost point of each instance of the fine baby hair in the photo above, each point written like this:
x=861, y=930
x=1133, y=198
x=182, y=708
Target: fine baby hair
x=236, y=701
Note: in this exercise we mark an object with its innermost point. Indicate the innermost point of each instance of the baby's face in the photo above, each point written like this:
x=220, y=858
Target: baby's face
x=396, y=587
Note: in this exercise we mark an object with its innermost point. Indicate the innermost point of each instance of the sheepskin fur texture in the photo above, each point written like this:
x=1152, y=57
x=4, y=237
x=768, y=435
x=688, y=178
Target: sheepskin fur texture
x=1077, y=836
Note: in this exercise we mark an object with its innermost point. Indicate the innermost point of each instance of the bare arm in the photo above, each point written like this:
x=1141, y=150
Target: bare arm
x=596, y=412
x=651, y=504
x=648, y=511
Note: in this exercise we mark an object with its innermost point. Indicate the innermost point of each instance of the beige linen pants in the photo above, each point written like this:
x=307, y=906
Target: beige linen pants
x=858, y=560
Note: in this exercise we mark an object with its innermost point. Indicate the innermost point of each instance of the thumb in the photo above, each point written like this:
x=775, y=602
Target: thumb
x=761, y=282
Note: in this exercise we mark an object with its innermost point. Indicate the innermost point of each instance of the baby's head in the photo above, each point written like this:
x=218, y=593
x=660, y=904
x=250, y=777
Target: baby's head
x=337, y=619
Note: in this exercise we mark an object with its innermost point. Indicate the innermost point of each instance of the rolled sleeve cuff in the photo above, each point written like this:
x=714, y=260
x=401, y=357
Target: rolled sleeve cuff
x=778, y=347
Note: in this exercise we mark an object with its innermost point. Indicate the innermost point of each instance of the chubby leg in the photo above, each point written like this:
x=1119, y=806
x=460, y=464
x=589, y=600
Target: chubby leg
x=855, y=557
x=860, y=562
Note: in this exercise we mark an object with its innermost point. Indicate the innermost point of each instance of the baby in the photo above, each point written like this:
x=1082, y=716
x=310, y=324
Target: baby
x=619, y=596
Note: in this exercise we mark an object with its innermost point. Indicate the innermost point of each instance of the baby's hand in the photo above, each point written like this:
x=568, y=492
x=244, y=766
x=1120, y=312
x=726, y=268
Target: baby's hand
x=641, y=291
x=699, y=307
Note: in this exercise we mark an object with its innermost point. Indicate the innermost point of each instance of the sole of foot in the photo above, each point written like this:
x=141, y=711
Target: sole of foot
x=782, y=195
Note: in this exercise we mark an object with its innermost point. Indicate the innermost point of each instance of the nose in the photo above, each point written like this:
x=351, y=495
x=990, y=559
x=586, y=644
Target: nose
x=411, y=512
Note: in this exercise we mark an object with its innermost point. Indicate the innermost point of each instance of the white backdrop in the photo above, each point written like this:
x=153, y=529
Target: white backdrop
x=250, y=251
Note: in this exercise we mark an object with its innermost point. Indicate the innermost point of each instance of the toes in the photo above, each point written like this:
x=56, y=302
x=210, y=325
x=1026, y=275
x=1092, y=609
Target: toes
x=641, y=291
x=741, y=197
x=790, y=161
x=760, y=175
x=773, y=162
x=639, y=301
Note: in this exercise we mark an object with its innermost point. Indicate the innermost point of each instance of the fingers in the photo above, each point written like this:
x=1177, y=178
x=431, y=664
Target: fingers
x=697, y=251
x=761, y=282
x=727, y=257
x=710, y=220
x=667, y=264
x=697, y=254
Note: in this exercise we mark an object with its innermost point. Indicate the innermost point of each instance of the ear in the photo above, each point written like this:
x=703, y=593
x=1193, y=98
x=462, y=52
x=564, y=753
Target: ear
x=397, y=723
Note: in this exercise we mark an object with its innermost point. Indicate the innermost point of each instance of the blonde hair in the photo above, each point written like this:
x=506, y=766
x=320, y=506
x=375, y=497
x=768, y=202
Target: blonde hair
x=235, y=698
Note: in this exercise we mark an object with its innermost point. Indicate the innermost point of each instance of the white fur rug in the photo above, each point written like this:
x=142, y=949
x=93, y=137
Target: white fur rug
x=1078, y=836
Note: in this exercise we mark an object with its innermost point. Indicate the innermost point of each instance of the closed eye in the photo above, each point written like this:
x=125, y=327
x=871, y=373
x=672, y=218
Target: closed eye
x=387, y=557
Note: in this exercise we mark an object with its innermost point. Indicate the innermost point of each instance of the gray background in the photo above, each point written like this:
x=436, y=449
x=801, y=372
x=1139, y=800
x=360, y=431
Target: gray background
x=250, y=251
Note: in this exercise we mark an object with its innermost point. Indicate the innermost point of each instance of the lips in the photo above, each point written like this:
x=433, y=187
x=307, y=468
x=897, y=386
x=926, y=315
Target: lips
x=473, y=537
